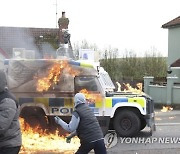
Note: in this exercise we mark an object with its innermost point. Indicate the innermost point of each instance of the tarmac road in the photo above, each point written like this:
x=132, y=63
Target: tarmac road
x=165, y=140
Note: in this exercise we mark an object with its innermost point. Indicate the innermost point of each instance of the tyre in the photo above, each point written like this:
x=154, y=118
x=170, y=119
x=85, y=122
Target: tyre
x=35, y=117
x=126, y=123
x=143, y=124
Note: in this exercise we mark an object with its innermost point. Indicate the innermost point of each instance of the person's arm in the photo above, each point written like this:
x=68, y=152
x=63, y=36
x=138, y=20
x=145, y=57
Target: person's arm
x=68, y=138
x=72, y=134
x=73, y=124
x=7, y=112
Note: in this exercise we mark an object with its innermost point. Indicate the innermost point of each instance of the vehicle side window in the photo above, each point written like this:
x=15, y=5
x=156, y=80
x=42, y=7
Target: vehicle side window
x=88, y=83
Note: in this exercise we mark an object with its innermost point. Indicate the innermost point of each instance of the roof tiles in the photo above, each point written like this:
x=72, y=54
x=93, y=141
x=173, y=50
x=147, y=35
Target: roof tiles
x=173, y=23
x=176, y=63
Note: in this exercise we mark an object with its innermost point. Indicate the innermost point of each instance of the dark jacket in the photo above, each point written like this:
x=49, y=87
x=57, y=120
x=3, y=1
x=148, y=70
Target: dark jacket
x=89, y=129
x=10, y=133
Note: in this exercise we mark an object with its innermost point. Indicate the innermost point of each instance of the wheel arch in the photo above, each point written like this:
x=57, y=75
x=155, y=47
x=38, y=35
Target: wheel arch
x=132, y=106
x=35, y=116
x=30, y=106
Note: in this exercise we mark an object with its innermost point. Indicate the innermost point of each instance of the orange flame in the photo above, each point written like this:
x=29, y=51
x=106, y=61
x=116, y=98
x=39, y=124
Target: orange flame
x=129, y=88
x=166, y=108
x=37, y=141
x=54, y=74
x=91, y=97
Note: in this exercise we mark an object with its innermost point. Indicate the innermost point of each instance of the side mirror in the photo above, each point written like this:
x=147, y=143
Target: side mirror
x=108, y=94
x=169, y=71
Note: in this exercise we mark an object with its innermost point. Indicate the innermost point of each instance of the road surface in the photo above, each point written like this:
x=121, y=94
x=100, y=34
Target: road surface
x=165, y=140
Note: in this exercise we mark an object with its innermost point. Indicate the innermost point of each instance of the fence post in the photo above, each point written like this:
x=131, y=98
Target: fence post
x=147, y=81
x=170, y=84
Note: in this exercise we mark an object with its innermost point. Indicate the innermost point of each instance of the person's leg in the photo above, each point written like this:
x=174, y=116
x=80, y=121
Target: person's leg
x=85, y=148
x=99, y=147
x=10, y=150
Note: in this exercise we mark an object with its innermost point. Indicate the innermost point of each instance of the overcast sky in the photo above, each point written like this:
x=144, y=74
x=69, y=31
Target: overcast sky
x=133, y=25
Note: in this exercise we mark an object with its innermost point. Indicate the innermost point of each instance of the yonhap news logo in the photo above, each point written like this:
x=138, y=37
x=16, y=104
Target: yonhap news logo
x=150, y=140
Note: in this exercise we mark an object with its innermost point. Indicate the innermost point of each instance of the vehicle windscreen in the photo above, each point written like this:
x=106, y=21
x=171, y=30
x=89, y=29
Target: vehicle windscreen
x=106, y=81
x=88, y=83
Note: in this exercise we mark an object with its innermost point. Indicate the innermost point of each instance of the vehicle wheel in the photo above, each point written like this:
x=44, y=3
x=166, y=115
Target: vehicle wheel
x=143, y=124
x=35, y=117
x=126, y=123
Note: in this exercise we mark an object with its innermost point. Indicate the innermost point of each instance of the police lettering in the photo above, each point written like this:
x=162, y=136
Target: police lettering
x=54, y=110
x=64, y=110
x=61, y=110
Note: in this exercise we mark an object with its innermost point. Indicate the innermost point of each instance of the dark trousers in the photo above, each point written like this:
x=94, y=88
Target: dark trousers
x=10, y=150
x=98, y=146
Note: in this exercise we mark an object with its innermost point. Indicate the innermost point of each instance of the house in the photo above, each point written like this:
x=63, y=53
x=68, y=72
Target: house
x=168, y=93
x=173, y=27
x=41, y=40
